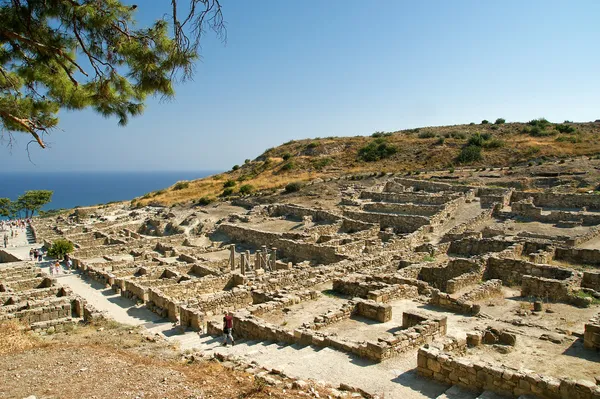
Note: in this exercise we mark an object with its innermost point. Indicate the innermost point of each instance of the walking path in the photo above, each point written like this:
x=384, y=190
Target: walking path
x=394, y=378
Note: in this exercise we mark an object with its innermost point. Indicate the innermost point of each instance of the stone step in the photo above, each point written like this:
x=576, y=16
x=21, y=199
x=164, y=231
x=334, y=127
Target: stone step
x=492, y=395
x=458, y=392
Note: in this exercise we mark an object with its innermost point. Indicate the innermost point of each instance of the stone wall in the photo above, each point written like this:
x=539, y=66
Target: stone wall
x=578, y=255
x=194, y=314
x=591, y=335
x=540, y=287
x=511, y=271
x=299, y=212
x=459, y=230
x=400, y=223
x=414, y=198
x=488, y=289
x=292, y=250
x=480, y=376
x=459, y=305
x=432, y=187
x=6, y=257
x=475, y=246
x=554, y=200
x=591, y=280
x=402, y=209
x=442, y=277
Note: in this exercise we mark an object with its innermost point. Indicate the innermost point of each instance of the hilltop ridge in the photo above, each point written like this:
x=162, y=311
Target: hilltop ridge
x=410, y=151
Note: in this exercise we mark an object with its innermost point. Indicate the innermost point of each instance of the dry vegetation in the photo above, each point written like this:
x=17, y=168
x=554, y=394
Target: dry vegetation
x=430, y=148
x=71, y=365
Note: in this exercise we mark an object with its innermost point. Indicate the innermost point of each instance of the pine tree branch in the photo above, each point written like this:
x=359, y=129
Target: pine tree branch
x=43, y=47
x=26, y=124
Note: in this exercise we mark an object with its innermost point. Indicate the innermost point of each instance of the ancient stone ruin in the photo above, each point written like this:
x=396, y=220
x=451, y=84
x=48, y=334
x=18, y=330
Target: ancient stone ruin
x=489, y=289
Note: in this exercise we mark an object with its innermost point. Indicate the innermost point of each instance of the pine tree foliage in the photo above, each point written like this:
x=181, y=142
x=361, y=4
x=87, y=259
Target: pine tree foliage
x=78, y=54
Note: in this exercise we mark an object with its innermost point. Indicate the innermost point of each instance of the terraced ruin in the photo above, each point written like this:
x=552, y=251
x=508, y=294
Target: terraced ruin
x=391, y=286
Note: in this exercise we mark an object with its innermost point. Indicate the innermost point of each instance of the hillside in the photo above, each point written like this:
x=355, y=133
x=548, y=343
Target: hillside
x=405, y=151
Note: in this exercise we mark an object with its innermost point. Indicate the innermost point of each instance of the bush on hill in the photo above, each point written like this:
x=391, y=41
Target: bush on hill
x=469, y=154
x=246, y=189
x=229, y=183
x=180, y=185
x=500, y=121
x=293, y=187
x=485, y=122
x=376, y=150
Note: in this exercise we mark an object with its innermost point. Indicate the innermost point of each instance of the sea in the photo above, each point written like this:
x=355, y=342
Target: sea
x=73, y=189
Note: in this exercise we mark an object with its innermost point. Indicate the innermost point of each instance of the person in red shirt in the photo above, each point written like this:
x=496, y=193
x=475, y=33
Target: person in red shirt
x=228, y=329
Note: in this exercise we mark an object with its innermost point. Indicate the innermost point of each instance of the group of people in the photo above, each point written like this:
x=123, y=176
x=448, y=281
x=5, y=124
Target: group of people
x=55, y=268
x=12, y=228
x=36, y=254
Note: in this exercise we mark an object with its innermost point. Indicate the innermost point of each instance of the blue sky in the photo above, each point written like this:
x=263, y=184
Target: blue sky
x=294, y=69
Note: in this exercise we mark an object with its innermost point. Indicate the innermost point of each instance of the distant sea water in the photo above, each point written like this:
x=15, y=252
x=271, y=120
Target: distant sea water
x=73, y=189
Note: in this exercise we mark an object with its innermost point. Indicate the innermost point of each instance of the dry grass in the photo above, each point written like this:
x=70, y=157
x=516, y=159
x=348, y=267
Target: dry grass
x=312, y=158
x=14, y=338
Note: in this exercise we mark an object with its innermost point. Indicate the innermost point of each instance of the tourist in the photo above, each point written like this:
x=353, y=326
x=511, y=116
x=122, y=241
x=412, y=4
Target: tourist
x=56, y=267
x=40, y=255
x=31, y=254
x=5, y=240
x=228, y=329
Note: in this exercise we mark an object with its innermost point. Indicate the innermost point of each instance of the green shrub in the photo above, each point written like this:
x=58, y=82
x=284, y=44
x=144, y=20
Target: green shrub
x=484, y=122
x=477, y=139
x=381, y=134
x=451, y=170
x=538, y=131
x=180, y=185
x=229, y=183
x=247, y=161
x=569, y=139
x=314, y=144
x=320, y=163
x=568, y=121
x=494, y=127
x=227, y=192
x=60, y=248
x=440, y=141
x=205, y=201
x=500, y=121
x=428, y=134
x=288, y=166
x=472, y=124
x=293, y=187
x=246, y=189
x=235, y=167
x=493, y=143
x=470, y=153
x=286, y=156
x=565, y=128
x=542, y=123
x=376, y=150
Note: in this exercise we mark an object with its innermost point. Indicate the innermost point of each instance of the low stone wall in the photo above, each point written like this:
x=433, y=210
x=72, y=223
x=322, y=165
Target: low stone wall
x=555, y=200
x=293, y=250
x=464, y=280
x=476, y=246
x=400, y=223
x=249, y=327
x=379, y=291
x=445, y=301
x=591, y=280
x=414, y=198
x=6, y=257
x=486, y=290
x=194, y=314
x=299, y=212
x=591, y=335
x=448, y=369
x=511, y=271
x=578, y=255
x=442, y=277
x=402, y=209
x=528, y=210
x=540, y=287
x=430, y=186
x=458, y=231
x=490, y=196
x=53, y=309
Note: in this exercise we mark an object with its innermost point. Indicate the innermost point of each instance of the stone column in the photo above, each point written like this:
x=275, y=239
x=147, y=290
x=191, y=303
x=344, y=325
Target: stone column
x=263, y=259
x=257, y=260
x=248, y=261
x=273, y=259
x=232, y=256
x=243, y=263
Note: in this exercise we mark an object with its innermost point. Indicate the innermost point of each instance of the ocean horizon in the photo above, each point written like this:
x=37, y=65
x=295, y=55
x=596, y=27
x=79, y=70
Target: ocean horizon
x=72, y=189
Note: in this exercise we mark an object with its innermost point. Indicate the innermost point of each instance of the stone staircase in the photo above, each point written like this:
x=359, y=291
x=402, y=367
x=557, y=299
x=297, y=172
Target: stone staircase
x=457, y=392
x=29, y=235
